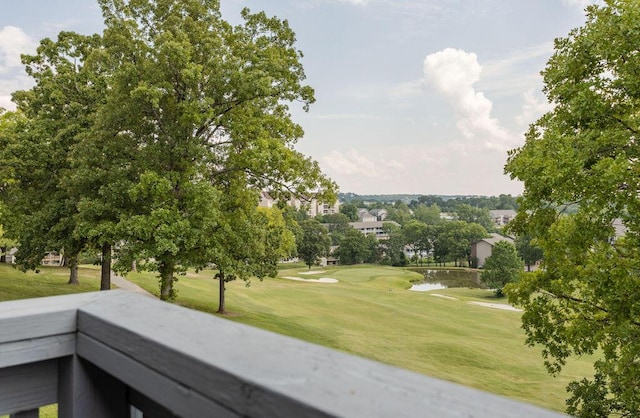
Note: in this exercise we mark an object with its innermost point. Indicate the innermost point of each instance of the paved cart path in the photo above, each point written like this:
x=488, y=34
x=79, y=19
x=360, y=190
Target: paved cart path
x=125, y=284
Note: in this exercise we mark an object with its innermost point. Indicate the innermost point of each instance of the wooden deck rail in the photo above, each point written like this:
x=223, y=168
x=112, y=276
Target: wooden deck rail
x=99, y=354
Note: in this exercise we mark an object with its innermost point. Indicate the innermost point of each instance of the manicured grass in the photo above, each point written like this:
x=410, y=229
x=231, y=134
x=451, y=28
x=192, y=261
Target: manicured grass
x=371, y=313
x=15, y=284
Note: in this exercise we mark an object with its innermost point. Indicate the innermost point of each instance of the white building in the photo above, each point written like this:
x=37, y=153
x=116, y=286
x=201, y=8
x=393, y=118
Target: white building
x=481, y=250
x=375, y=228
x=502, y=217
x=314, y=207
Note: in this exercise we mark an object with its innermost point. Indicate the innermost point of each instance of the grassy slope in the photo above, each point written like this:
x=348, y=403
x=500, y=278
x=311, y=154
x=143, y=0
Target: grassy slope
x=14, y=284
x=370, y=313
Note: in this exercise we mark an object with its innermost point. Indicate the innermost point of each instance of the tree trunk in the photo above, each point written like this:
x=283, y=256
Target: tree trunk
x=73, y=270
x=134, y=266
x=221, y=308
x=3, y=254
x=105, y=271
x=166, y=270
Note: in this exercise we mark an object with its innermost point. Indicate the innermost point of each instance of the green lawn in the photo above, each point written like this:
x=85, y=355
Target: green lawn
x=369, y=312
x=15, y=284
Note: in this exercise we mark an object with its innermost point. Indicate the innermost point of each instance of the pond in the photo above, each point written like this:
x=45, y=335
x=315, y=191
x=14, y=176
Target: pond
x=443, y=279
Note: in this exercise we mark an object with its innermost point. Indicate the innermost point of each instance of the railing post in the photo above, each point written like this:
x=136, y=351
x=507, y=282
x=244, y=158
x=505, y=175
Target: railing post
x=86, y=391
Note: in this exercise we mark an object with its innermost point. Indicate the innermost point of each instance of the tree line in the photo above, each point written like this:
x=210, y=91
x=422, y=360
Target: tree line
x=421, y=232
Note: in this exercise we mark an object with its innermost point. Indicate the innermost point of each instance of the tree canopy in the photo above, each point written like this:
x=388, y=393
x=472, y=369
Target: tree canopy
x=501, y=267
x=584, y=153
x=313, y=243
x=42, y=208
x=149, y=135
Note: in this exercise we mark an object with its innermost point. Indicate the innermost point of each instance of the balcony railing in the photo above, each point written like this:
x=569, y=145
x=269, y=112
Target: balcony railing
x=119, y=354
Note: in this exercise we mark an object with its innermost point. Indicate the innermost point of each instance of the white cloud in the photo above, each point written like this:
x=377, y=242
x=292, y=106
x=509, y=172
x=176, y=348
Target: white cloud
x=445, y=168
x=9, y=85
x=453, y=73
x=533, y=107
x=350, y=164
x=5, y=103
x=13, y=42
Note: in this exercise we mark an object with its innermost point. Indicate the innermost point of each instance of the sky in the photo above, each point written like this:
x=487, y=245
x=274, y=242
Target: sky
x=412, y=96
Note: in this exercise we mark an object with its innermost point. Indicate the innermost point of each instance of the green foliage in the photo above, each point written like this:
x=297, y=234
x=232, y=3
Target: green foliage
x=350, y=210
x=157, y=136
x=501, y=267
x=51, y=117
x=418, y=237
x=528, y=251
x=337, y=225
x=452, y=240
x=427, y=214
x=479, y=216
x=584, y=152
x=314, y=242
x=354, y=248
x=393, y=247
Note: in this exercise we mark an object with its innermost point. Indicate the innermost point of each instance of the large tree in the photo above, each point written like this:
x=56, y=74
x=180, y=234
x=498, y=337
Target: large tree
x=313, y=243
x=392, y=246
x=204, y=105
x=427, y=214
x=248, y=242
x=585, y=153
x=501, y=267
x=452, y=240
x=42, y=208
x=528, y=250
x=417, y=237
x=470, y=214
x=354, y=248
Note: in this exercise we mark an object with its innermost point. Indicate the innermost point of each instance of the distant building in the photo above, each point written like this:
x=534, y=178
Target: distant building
x=10, y=256
x=409, y=252
x=619, y=229
x=447, y=216
x=314, y=206
x=481, y=250
x=52, y=258
x=502, y=217
x=365, y=216
x=330, y=260
x=266, y=200
x=380, y=214
x=374, y=227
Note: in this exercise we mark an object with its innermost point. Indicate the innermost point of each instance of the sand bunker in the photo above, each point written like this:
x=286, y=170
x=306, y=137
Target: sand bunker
x=311, y=272
x=496, y=306
x=443, y=296
x=320, y=280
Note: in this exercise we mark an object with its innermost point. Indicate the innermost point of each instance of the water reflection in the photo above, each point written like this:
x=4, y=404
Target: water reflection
x=425, y=287
x=442, y=279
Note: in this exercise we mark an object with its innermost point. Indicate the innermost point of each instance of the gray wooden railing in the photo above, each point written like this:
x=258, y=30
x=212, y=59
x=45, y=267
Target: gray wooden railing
x=119, y=354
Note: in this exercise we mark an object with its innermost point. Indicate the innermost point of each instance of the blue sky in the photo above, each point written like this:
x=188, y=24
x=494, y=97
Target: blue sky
x=413, y=96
